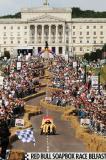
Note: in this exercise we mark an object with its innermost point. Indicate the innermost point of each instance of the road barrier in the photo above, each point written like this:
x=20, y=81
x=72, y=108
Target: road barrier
x=29, y=112
x=93, y=142
x=43, y=103
x=16, y=155
x=34, y=95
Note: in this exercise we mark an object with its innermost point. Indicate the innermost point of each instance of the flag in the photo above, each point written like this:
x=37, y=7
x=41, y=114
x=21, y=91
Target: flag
x=26, y=135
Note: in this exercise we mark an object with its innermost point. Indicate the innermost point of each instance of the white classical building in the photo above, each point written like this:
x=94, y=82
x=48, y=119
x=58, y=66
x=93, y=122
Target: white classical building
x=63, y=33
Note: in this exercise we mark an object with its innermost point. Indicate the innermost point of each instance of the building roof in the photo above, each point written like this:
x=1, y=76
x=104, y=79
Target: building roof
x=12, y=21
x=47, y=18
x=43, y=18
x=45, y=9
x=89, y=20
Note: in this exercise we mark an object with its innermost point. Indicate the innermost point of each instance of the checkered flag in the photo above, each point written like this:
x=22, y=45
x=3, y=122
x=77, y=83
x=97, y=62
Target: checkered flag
x=26, y=135
x=27, y=156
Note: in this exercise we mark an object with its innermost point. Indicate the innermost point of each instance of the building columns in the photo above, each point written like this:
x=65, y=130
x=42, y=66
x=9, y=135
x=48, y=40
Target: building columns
x=49, y=33
x=64, y=37
x=70, y=35
x=43, y=34
x=64, y=50
x=56, y=33
x=36, y=37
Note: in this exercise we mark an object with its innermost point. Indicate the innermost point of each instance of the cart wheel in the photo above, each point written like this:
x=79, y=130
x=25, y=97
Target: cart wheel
x=41, y=133
x=54, y=131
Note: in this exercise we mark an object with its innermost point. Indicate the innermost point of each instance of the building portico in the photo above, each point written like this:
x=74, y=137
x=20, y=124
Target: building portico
x=53, y=33
x=46, y=24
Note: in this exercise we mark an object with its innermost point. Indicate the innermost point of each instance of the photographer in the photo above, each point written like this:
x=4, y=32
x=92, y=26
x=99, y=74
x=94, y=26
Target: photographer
x=4, y=139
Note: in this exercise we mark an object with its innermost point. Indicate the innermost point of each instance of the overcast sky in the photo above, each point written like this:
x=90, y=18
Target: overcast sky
x=13, y=6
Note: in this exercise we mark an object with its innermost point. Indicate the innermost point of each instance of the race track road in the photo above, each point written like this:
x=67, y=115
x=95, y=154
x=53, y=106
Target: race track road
x=64, y=141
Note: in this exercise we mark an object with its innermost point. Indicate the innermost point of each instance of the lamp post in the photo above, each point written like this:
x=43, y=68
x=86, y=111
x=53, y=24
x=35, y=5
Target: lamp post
x=74, y=56
x=99, y=82
x=0, y=51
x=66, y=37
x=68, y=56
x=85, y=74
x=33, y=51
x=67, y=53
x=77, y=68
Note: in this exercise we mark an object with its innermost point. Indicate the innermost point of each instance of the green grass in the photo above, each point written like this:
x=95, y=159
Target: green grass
x=102, y=73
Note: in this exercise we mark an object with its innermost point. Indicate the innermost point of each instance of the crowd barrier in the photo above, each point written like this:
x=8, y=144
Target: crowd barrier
x=93, y=142
x=40, y=93
x=16, y=155
x=43, y=103
x=29, y=111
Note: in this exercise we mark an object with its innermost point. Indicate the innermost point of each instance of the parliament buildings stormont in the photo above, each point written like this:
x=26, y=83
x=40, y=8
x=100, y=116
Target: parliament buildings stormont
x=64, y=34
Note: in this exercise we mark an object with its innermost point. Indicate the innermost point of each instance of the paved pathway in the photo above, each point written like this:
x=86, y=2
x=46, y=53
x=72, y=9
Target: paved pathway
x=64, y=141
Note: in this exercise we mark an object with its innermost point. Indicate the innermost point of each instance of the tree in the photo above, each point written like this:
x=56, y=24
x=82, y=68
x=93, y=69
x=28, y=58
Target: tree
x=7, y=54
x=93, y=56
x=104, y=47
x=99, y=54
x=17, y=15
x=78, y=13
x=104, y=51
x=87, y=56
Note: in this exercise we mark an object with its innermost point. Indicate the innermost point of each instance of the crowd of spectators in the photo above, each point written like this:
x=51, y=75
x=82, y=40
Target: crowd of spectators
x=70, y=89
x=21, y=79
x=17, y=84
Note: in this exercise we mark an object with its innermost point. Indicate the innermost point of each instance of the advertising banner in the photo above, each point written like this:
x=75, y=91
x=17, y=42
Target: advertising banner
x=94, y=80
x=74, y=64
x=19, y=123
x=1, y=80
x=18, y=66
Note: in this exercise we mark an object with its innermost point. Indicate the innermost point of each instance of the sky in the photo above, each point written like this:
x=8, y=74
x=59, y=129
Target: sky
x=13, y=6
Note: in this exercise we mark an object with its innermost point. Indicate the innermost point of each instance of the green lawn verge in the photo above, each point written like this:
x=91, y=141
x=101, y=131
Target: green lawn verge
x=102, y=73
